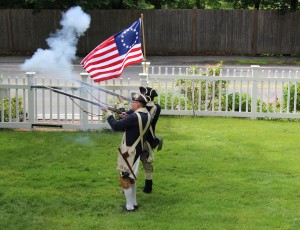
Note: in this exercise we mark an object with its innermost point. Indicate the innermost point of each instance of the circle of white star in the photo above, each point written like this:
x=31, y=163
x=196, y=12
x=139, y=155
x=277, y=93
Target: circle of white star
x=123, y=37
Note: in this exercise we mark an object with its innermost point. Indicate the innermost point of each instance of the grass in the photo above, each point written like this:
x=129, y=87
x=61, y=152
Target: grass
x=265, y=62
x=251, y=61
x=213, y=173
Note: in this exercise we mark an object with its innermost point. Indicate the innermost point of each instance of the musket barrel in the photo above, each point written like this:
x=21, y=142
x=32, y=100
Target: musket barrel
x=104, y=90
x=82, y=99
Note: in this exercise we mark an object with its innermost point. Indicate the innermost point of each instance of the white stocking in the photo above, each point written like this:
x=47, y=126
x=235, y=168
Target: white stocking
x=133, y=186
x=129, y=200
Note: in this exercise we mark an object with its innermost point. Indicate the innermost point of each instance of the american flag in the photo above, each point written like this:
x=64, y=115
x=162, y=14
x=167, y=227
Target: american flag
x=109, y=59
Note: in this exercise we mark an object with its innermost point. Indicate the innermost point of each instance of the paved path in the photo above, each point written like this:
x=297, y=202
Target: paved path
x=174, y=60
x=9, y=65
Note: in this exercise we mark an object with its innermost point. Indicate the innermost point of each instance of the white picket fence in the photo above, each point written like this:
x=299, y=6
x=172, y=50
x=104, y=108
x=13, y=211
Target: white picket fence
x=262, y=89
x=252, y=92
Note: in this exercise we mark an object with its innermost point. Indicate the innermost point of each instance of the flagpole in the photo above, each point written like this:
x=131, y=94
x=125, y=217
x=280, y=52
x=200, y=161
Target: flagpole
x=144, y=42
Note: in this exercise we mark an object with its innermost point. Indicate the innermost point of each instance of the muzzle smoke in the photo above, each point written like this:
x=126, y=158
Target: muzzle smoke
x=62, y=45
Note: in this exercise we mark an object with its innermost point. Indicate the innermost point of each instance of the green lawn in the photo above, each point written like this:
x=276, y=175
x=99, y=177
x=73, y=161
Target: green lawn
x=255, y=61
x=267, y=62
x=213, y=173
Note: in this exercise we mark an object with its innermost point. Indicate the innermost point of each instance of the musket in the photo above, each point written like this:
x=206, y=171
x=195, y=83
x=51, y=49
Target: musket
x=125, y=155
x=104, y=90
x=83, y=99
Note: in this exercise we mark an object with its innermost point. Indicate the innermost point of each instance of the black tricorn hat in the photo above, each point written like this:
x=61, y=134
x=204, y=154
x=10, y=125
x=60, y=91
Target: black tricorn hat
x=148, y=92
x=140, y=98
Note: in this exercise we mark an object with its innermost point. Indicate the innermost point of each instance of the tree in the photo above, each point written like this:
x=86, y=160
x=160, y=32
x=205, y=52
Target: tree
x=65, y=4
x=245, y=4
x=185, y=4
x=172, y=4
x=294, y=4
x=256, y=4
x=281, y=6
x=198, y=4
x=156, y=3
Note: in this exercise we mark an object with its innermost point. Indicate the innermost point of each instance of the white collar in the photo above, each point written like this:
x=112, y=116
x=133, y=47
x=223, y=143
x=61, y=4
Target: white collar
x=142, y=110
x=150, y=103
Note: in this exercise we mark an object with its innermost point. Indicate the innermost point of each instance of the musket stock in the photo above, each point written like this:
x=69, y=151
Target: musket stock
x=125, y=159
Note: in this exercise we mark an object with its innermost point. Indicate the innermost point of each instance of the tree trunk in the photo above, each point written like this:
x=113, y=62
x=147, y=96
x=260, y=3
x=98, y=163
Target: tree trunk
x=256, y=4
x=198, y=4
x=293, y=5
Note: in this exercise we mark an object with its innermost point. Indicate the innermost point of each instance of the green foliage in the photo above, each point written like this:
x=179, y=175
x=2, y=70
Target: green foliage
x=182, y=4
x=282, y=6
x=212, y=4
x=165, y=101
x=236, y=105
x=172, y=4
x=13, y=107
x=202, y=92
x=66, y=4
x=214, y=70
x=292, y=97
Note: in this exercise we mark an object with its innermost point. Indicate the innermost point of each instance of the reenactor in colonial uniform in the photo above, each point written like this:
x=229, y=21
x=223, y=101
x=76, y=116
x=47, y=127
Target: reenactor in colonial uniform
x=151, y=140
x=135, y=127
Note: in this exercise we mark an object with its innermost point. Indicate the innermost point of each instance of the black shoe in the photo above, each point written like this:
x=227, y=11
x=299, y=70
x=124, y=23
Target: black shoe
x=148, y=186
x=160, y=143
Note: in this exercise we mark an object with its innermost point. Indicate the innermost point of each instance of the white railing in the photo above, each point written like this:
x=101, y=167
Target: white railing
x=232, y=92
x=39, y=106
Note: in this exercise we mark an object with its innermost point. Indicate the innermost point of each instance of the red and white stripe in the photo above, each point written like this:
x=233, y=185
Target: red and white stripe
x=105, y=62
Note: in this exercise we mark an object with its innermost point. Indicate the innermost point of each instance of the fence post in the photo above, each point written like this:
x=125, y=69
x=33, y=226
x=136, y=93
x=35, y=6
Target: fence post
x=255, y=69
x=30, y=79
x=144, y=76
x=84, y=118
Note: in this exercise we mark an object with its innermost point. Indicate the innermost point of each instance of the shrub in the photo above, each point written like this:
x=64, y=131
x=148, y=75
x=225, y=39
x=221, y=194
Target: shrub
x=166, y=101
x=292, y=97
x=265, y=107
x=235, y=106
x=261, y=106
x=13, y=102
x=209, y=89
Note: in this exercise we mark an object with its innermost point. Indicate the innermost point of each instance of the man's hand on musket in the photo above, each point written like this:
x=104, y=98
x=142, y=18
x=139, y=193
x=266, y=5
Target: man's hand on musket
x=121, y=106
x=106, y=110
x=123, y=114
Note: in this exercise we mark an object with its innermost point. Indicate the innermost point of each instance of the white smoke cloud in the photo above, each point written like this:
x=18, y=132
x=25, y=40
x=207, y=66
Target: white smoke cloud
x=62, y=45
